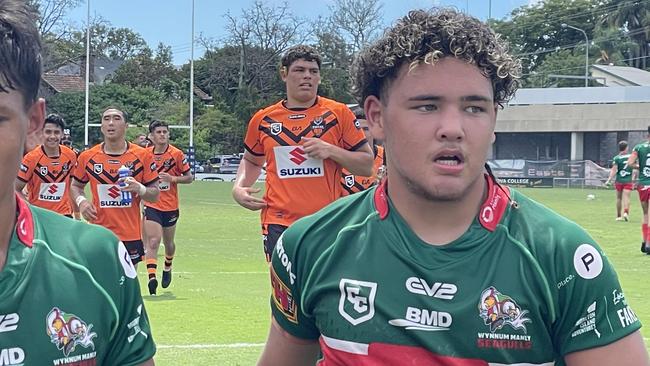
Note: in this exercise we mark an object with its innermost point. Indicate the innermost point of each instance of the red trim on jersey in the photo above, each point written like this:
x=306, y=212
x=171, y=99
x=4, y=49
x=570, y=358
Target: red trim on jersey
x=24, y=222
x=490, y=214
x=381, y=200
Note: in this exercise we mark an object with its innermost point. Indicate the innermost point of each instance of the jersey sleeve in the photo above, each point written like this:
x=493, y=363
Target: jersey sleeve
x=149, y=168
x=26, y=168
x=79, y=172
x=252, y=141
x=181, y=162
x=592, y=308
x=353, y=137
x=286, y=290
x=132, y=343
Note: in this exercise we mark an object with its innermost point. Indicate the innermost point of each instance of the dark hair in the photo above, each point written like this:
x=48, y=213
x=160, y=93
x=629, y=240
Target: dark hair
x=622, y=145
x=300, y=52
x=358, y=111
x=55, y=119
x=20, y=50
x=156, y=123
x=125, y=116
x=424, y=37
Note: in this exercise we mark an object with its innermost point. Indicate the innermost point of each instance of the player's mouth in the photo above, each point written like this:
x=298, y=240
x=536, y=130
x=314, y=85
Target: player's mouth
x=449, y=161
x=305, y=85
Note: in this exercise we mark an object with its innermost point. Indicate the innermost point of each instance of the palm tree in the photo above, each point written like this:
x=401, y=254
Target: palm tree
x=633, y=16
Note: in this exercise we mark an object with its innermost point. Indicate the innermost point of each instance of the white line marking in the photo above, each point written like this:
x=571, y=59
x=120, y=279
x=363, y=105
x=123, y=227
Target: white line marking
x=218, y=203
x=220, y=273
x=203, y=346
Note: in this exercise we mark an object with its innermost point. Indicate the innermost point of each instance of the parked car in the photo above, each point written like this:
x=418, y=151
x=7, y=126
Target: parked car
x=225, y=164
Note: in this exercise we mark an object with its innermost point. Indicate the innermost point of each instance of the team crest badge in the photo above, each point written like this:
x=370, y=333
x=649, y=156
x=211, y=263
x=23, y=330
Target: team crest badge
x=67, y=331
x=349, y=181
x=66, y=166
x=499, y=310
x=43, y=170
x=276, y=128
x=317, y=126
x=357, y=302
x=98, y=168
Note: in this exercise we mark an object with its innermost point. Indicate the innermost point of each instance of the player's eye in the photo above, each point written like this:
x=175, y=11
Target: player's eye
x=426, y=108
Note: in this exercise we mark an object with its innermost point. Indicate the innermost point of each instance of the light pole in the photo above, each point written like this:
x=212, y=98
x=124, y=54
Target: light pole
x=564, y=25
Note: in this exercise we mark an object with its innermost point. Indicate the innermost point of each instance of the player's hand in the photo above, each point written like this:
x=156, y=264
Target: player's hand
x=244, y=196
x=88, y=211
x=131, y=185
x=166, y=177
x=316, y=148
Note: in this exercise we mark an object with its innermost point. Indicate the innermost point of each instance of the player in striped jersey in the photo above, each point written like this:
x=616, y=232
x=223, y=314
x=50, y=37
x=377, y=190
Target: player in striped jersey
x=160, y=217
x=99, y=166
x=46, y=170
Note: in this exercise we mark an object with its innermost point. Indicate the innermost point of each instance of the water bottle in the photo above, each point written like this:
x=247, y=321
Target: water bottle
x=124, y=172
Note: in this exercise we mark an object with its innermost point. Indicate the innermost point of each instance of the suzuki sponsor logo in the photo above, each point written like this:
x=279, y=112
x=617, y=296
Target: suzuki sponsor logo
x=440, y=290
x=284, y=259
x=110, y=196
x=357, y=301
x=53, y=189
x=9, y=322
x=423, y=319
x=114, y=192
x=12, y=357
x=293, y=162
x=51, y=192
x=298, y=156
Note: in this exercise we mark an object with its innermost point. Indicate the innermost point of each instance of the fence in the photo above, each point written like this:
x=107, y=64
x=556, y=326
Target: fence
x=564, y=173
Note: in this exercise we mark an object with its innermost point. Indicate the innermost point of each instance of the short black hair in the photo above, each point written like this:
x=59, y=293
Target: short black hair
x=622, y=145
x=125, y=116
x=300, y=52
x=156, y=123
x=20, y=50
x=55, y=119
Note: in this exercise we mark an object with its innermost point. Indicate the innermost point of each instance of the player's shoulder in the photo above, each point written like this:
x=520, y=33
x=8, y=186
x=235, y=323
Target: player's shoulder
x=97, y=149
x=173, y=150
x=67, y=152
x=542, y=231
x=35, y=153
x=321, y=229
x=334, y=106
x=267, y=110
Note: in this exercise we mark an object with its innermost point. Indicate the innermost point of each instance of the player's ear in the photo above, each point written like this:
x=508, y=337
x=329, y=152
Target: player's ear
x=374, y=115
x=36, y=115
x=283, y=73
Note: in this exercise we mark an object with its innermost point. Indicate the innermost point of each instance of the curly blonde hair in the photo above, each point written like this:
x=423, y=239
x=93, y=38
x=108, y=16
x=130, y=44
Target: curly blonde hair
x=427, y=36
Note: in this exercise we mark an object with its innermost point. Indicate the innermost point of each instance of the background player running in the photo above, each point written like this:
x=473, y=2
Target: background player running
x=161, y=217
x=46, y=170
x=304, y=140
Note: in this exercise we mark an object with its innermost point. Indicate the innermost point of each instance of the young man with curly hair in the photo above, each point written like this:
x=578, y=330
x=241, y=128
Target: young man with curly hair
x=305, y=141
x=439, y=264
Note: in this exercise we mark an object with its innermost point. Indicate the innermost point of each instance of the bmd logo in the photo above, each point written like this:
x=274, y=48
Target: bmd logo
x=297, y=156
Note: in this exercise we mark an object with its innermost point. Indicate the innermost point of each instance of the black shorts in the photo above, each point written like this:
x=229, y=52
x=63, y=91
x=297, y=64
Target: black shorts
x=164, y=218
x=135, y=248
x=270, y=235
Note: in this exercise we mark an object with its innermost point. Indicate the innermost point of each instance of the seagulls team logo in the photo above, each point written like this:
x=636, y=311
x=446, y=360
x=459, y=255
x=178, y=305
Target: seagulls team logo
x=498, y=310
x=67, y=331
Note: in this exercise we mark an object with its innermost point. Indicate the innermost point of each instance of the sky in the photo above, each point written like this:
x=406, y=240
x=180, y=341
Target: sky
x=169, y=21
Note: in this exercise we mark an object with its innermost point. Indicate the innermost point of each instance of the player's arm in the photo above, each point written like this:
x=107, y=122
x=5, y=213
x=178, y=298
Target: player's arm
x=149, y=362
x=632, y=159
x=284, y=349
x=247, y=174
x=148, y=193
x=357, y=162
x=612, y=174
x=627, y=351
x=185, y=178
x=77, y=194
x=20, y=185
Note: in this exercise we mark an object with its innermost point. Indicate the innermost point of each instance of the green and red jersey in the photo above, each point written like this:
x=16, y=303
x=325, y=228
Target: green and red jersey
x=521, y=286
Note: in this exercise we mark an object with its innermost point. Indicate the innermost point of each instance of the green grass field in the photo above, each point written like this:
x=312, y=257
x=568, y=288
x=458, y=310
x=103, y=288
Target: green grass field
x=216, y=312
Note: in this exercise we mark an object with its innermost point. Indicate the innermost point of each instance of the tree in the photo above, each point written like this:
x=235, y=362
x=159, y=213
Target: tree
x=357, y=21
x=563, y=62
x=634, y=18
x=149, y=70
x=51, y=14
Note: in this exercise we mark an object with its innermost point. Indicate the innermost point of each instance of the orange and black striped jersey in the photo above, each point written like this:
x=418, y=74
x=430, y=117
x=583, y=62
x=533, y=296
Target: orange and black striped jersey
x=297, y=185
x=173, y=162
x=356, y=183
x=48, y=178
x=100, y=169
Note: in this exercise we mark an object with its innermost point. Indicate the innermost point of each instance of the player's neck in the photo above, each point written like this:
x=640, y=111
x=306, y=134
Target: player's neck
x=115, y=147
x=293, y=103
x=437, y=222
x=52, y=152
x=7, y=224
x=159, y=149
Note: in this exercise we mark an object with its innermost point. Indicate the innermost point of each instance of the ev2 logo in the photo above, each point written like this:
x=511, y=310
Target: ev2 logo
x=357, y=302
x=9, y=322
